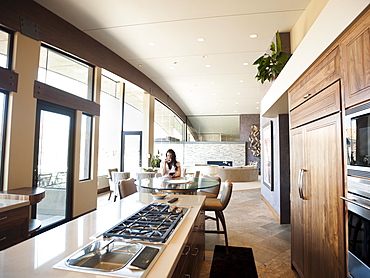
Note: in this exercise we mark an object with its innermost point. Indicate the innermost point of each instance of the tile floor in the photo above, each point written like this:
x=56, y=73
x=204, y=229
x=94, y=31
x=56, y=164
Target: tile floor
x=249, y=224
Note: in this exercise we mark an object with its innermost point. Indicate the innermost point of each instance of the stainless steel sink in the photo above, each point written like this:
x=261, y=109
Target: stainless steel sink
x=104, y=255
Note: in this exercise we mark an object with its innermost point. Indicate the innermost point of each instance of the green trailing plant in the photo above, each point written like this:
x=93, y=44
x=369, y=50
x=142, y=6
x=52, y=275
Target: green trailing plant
x=270, y=65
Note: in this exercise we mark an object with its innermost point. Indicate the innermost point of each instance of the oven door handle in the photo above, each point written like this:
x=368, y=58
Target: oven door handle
x=355, y=203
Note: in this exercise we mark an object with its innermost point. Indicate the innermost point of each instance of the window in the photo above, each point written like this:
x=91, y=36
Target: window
x=133, y=109
x=167, y=126
x=65, y=73
x=85, y=144
x=213, y=128
x=110, y=126
x=3, y=112
x=5, y=47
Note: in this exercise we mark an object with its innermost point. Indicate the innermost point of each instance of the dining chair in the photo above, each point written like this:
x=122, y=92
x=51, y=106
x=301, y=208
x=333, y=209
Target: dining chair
x=213, y=191
x=126, y=188
x=111, y=183
x=197, y=174
x=218, y=205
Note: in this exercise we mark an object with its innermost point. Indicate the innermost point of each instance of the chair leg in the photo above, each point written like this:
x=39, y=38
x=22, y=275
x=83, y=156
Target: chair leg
x=217, y=222
x=221, y=216
x=110, y=194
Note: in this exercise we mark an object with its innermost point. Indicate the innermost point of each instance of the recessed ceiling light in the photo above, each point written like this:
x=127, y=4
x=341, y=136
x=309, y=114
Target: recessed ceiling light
x=235, y=111
x=200, y=39
x=140, y=65
x=253, y=36
x=236, y=102
x=257, y=102
x=245, y=64
x=208, y=66
x=204, y=56
x=258, y=108
x=152, y=43
x=175, y=63
x=241, y=81
x=238, y=93
x=172, y=68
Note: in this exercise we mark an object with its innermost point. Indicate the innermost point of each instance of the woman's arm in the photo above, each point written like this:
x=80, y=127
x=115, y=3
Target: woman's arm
x=178, y=172
x=163, y=168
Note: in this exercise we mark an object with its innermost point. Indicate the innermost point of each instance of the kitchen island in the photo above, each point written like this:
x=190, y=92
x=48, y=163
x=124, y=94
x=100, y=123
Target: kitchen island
x=36, y=257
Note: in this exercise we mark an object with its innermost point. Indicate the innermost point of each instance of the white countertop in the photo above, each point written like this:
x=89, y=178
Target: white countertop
x=9, y=204
x=35, y=257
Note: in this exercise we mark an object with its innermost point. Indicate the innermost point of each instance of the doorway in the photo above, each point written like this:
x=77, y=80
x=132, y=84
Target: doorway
x=131, y=151
x=53, y=163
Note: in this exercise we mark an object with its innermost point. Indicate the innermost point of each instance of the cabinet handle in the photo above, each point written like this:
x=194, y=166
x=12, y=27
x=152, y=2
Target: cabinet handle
x=300, y=183
x=185, y=253
x=306, y=96
x=3, y=218
x=196, y=252
x=187, y=276
x=4, y=238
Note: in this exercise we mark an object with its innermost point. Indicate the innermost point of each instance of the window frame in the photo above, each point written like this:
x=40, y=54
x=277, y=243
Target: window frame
x=68, y=55
x=10, y=46
x=89, y=155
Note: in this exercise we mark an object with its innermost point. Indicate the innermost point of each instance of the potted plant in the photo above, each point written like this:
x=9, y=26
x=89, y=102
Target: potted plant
x=270, y=65
x=156, y=161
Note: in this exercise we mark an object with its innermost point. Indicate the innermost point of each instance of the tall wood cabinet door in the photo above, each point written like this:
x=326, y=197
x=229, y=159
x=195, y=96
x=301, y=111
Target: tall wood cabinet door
x=324, y=211
x=297, y=157
x=356, y=63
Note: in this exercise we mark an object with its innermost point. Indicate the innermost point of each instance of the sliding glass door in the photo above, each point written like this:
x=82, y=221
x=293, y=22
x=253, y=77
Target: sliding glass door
x=53, y=163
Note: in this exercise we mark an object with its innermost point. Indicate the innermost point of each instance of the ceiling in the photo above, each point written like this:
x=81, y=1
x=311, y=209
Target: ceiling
x=160, y=38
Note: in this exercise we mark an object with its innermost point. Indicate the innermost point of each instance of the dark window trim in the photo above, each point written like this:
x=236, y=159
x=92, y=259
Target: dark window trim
x=8, y=80
x=51, y=94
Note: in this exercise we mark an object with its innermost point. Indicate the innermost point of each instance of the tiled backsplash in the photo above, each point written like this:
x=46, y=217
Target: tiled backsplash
x=191, y=153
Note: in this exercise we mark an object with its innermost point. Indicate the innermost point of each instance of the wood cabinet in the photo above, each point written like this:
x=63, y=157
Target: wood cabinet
x=13, y=226
x=318, y=242
x=355, y=49
x=326, y=72
x=193, y=253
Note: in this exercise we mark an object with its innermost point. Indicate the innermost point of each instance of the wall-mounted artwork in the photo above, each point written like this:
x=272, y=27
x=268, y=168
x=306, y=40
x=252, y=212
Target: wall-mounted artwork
x=267, y=150
x=254, y=141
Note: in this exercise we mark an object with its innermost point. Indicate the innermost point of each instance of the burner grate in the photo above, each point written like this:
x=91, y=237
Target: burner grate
x=153, y=223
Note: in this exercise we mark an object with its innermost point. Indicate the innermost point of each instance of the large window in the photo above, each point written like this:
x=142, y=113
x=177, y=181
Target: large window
x=5, y=43
x=3, y=110
x=85, y=147
x=167, y=126
x=110, y=126
x=213, y=128
x=65, y=73
x=133, y=109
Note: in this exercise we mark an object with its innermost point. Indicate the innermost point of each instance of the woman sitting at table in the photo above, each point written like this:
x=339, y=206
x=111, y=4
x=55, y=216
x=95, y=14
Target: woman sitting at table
x=170, y=167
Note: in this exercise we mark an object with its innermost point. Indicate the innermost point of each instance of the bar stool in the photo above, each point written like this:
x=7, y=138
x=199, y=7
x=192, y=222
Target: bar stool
x=218, y=205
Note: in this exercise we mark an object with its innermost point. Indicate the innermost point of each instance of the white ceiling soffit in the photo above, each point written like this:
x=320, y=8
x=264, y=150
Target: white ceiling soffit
x=204, y=78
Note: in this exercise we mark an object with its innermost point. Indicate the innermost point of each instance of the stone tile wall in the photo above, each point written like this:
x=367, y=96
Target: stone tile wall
x=191, y=153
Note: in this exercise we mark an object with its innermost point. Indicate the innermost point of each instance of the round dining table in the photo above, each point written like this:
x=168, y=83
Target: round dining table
x=176, y=185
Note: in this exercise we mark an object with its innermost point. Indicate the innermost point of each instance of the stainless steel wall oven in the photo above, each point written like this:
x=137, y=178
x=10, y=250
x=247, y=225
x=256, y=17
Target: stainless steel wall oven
x=358, y=186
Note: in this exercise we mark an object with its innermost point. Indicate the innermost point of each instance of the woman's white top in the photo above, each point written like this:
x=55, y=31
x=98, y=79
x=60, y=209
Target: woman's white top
x=168, y=170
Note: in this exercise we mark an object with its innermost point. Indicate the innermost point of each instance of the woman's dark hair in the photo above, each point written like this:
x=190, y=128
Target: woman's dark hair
x=173, y=159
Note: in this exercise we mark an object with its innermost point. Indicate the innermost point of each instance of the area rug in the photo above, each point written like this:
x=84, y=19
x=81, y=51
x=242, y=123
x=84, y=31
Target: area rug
x=238, y=263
